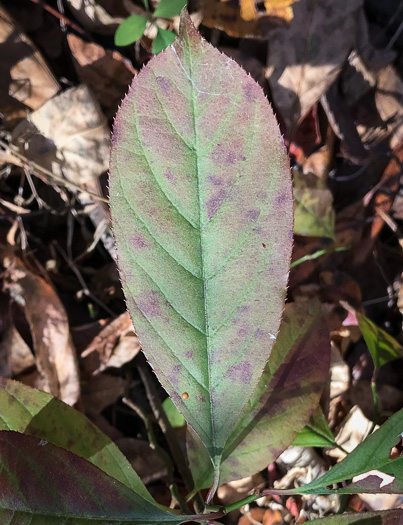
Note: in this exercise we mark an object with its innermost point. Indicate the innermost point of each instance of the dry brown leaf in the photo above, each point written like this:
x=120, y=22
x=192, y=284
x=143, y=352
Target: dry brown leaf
x=69, y=135
x=20, y=357
x=145, y=461
x=24, y=76
x=95, y=16
x=54, y=351
x=305, y=59
x=101, y=391
x=229, y=16
x=107, y=73
x=252, y=516
x=116, y=344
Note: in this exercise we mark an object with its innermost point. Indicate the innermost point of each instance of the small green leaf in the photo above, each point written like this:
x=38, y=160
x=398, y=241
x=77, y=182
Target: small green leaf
x=43, y=484
x=169, y=8
x=314, y=214
x=316, y=433
x=382, y=517
x=382, y=346
x=163, y=39
x=39, y=414
x=130, y=30
x=174, y=416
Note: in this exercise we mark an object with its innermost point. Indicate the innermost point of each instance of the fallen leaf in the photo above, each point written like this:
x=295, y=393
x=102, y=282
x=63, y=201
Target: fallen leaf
x=101, y=391
x=314, y=215
x=94, y=16
x=54, y=351
x=68, y=135
x=226, y=15
x=116, y=344
x=107, y=73
x=25, y=78
x=303, y=59
x=145, y=461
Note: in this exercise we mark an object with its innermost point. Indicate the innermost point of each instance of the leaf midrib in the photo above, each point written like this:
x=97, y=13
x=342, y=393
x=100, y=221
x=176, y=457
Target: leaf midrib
x=201, y=229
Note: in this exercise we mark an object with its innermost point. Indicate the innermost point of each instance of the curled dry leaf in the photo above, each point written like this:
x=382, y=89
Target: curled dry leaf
x=116, y=344
x=54, y=351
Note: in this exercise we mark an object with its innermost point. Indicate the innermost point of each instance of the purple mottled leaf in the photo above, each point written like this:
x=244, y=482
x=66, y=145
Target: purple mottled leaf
x=283, y=402
x=30, y=411
x=370, y=466
x=382, y=517
x=43, y=482
x=201, y=203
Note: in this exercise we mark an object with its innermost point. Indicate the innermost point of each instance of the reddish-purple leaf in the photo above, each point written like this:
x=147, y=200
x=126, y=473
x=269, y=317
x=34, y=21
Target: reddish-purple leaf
x=43, y=483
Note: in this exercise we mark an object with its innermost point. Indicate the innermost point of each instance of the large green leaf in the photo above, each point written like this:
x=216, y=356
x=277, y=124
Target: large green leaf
x=201, y=202
x=372, y=457
x=286, y=396
x=42, y=484
x=39, y=414
x=383, y=517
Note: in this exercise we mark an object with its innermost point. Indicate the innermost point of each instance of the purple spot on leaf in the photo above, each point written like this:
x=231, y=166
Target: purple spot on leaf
x=164, y=85
x=252, y=214
x=214, y=203
x=189, y=354
x=169, y=176
x=281, y=199
x=241, y=373
x=139, y=242
x=215, y=180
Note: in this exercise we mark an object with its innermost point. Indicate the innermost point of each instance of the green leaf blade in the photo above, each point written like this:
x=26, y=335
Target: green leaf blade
x=163, y=39
x=202, y=212
x=169, y=8
x=130, y=30
x=382, y=346
x=316, y=433
x=371, y=455
x=30, y=411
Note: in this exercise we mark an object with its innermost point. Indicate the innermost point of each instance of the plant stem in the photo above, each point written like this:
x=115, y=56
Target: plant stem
x=242, y=502
x=37, y=167
x=317, y=254
x=376, y=404
x=161, y=452
x=162, y=420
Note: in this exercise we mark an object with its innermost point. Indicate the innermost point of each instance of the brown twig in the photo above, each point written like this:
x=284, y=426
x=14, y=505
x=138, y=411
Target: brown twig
x=30, y=163
x=58, y=15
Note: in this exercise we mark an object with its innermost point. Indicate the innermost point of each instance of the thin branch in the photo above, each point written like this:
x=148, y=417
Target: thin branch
x=44, y=171
x=166, y=428
x=58, y=15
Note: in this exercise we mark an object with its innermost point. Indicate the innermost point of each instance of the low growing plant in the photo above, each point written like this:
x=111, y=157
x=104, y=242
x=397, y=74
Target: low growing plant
x=202, y=210
x=133, y=28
